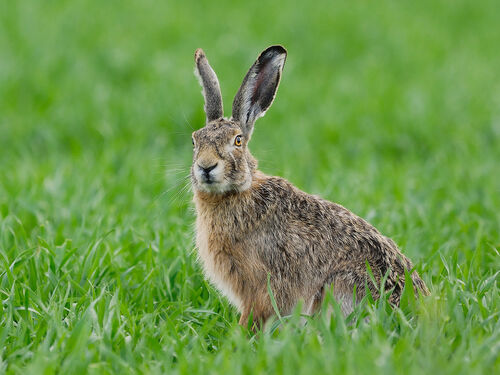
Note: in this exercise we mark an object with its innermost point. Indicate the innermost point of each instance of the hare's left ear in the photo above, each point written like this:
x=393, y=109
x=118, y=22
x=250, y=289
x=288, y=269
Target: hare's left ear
x=259, y=87
x=210, y=84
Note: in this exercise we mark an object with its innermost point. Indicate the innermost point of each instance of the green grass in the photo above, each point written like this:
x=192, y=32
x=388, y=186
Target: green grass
x=390, y=108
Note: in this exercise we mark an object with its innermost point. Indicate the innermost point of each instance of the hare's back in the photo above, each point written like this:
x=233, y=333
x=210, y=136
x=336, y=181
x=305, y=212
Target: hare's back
x=325, y=236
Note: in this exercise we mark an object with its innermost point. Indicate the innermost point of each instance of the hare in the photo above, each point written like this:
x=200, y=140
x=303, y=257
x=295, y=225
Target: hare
x=250, y=225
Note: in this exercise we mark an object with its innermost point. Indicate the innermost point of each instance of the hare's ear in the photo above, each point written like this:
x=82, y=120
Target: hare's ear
x=210, y=83
x=259, y=87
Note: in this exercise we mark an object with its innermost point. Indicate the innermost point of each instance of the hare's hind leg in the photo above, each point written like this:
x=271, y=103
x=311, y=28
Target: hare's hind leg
x=344, y=299
x=316, y=301
x=348, y=288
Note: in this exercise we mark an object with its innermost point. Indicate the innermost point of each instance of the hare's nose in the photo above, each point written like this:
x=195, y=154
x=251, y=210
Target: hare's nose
x=207, y=170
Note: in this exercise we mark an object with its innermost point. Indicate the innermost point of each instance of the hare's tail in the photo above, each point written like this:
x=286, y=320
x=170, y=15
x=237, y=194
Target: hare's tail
x=419, y=284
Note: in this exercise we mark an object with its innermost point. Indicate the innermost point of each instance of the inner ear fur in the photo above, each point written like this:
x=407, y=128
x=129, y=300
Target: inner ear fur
x=258, y=89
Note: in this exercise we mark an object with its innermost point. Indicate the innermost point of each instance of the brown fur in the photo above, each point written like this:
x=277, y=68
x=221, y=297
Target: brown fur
x=250, y=225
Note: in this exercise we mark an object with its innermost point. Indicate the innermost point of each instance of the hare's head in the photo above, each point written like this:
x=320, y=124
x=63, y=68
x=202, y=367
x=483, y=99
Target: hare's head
x=222, y=161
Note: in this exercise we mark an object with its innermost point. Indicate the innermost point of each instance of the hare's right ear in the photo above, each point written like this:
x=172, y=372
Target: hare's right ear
x=259, y=87
x=210, y=83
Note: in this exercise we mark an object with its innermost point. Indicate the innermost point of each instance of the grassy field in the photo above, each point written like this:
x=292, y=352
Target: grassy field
x=390, y=108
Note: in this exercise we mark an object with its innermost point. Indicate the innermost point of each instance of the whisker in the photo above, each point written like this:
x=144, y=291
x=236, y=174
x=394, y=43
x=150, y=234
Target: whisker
x=186, y=120
x=183, y=180
x=181, y=192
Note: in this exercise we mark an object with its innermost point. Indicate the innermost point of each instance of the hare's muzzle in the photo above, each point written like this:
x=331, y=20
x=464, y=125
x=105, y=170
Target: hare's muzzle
x=205, y=173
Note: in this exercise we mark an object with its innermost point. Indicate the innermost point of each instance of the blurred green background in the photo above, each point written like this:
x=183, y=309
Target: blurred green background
x=390, y=108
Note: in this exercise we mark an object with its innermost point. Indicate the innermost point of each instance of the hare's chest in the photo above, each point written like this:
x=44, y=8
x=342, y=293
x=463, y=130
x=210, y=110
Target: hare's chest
x=217, y=263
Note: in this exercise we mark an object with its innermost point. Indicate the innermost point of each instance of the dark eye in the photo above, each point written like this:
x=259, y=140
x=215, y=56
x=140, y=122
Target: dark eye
x=192, y=140
x=237, y=140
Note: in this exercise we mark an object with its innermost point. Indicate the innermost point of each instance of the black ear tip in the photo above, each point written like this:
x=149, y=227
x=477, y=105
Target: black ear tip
x=198, y=54
x=273, y=52
x=278, y=48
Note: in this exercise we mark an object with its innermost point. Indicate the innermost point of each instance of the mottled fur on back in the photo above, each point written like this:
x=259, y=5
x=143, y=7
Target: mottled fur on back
x=250, y=225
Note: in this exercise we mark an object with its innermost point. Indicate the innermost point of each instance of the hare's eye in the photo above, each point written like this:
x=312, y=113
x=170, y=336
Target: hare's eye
x=192, y=140
x=237, y=140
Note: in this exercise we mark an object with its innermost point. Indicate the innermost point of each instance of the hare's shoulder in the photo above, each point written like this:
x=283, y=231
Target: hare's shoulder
x=273, y=189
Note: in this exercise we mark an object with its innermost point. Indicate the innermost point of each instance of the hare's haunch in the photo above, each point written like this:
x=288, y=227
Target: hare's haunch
x=250, y=225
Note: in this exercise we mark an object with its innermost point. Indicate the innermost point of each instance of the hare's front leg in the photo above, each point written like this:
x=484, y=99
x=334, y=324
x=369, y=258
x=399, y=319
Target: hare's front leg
x=244, y=317
x=259, y=308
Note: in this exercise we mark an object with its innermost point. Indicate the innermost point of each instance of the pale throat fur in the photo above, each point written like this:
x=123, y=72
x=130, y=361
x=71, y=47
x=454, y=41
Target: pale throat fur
x=222, y=224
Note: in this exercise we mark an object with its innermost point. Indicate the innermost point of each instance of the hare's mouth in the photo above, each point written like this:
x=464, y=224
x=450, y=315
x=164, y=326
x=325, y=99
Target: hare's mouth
x=207, y=179
x=212, y=186
x=210, y=179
